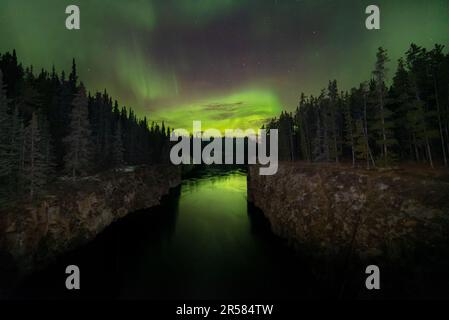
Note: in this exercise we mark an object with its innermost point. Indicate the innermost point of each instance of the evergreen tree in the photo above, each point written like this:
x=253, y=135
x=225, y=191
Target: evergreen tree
x=349, y=130
x=361, y=151
x=78, y=157
x=303, y=129
x=46, y=145
x=5, y=132
x=319, y=146
x=17, y=150
x=73, y=77
x=402, y=96
x=384, y=123
x=436, y=58
x=418, y=119
x=34, y=170
x=332, y=119
x=420, y=116
x=6, y=159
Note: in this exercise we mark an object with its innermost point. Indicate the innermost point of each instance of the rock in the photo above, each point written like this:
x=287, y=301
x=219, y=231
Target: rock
x=382, y=186
x=31, y=234
x=367, y=210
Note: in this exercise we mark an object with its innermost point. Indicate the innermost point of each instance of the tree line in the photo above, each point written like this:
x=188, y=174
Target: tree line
x=50, y=126
x=375, y=124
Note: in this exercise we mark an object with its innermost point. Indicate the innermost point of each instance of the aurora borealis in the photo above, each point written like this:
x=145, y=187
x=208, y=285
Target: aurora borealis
x=228, y=63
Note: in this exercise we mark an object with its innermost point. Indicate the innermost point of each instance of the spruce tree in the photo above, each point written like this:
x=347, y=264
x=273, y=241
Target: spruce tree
x=319, y=144
x=5, y=132
x=360, y=149
x=46, y=145
x=332, y=119
x=349, y=130
x=436, y=58
x=6, y=161
x=78, y=156
x=17, y=149
x=402, y=95
x=420, y=117
x=418, y=120
x=34, y=171
x=384, y=123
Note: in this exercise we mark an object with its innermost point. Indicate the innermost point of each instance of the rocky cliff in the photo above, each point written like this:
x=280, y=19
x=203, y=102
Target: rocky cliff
x=336, y=209
x=72, y=213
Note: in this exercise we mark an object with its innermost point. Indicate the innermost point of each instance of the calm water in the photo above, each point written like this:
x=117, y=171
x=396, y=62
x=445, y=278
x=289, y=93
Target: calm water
x=204, y=241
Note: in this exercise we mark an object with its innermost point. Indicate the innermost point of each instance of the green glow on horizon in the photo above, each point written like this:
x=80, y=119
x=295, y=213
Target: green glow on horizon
x=248, y=109
x=169, y=59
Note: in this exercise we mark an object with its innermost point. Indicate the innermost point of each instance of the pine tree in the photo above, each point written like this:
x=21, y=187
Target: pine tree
x=366, y=133
x=5, y=131
x=300, y=119
x=418, y=119
x=34, y=171
x=319, y=144
x=6, y=160
x=332, y=119
x=349, y=131
x=17, y=141
x=73, y=76
x=436, y=58
x=420, y=115
x=78, y=156
x=361, y=151
x=402, y=95
x=384, y=123
x=46, y=145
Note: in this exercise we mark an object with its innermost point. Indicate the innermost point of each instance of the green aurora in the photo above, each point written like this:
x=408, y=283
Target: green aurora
x=228, y=63
x=243, y=110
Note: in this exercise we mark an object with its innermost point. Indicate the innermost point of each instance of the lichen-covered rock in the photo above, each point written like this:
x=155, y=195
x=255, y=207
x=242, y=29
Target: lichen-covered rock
x=338, y=208
x=72, y=213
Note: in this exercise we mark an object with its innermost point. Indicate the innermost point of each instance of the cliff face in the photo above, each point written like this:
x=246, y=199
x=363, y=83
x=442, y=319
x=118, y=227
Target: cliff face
x=337, y=208
x=72, y=213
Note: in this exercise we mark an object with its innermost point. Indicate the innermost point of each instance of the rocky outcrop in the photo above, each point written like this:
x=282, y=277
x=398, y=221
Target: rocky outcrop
x=72, y=213
x=339, y=208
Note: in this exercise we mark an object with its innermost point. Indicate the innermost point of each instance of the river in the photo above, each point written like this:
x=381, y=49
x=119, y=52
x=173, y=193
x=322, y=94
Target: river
x=204, y=241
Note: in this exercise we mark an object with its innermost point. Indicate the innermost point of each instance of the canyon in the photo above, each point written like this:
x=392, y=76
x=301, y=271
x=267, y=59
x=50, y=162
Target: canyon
x=338, y=209
x=333, y=210
x=73, y=213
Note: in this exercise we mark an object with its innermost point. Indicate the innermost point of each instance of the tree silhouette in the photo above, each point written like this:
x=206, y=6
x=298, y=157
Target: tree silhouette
x=34, y=166
x=405, y=121
x=78, y=156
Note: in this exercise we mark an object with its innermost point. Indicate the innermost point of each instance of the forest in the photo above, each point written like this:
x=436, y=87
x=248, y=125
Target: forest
x=389, y=119
x=51, y=127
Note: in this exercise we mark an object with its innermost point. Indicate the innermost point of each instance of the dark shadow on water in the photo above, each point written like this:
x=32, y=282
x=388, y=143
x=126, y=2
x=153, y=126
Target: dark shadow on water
x=205, y=241
x=107, y=262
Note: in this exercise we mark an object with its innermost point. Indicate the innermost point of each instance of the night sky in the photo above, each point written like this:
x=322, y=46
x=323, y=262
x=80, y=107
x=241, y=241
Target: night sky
x=229, y=63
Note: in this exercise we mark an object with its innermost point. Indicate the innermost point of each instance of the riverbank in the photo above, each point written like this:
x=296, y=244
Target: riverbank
x=203, y=242
x=72, y=213
x=337, y=209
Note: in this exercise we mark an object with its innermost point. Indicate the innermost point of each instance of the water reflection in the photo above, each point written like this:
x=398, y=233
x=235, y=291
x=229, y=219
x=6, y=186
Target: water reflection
x=205, y=241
